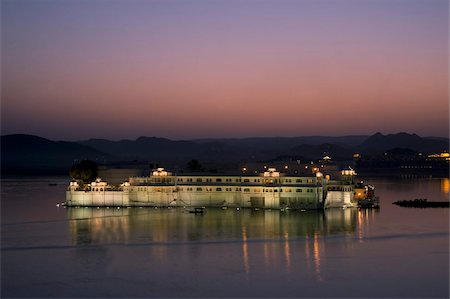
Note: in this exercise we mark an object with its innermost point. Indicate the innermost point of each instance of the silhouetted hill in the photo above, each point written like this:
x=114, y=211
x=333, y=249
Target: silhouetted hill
x=257, y=149
x=147, y=148
x=379, y=143
x=438, y=138
x=402, y=152
x=225, y=150
x=284, y=143
x=27, y=152
x=23, y=154
x=165, y=151
x=334, y=150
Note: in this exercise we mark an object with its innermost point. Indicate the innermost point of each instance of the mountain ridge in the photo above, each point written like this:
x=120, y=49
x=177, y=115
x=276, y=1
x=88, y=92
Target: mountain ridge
x=379, y=143
x=21, y=151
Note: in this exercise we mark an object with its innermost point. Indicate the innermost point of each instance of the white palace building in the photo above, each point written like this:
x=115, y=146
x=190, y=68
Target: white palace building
x=270, y=190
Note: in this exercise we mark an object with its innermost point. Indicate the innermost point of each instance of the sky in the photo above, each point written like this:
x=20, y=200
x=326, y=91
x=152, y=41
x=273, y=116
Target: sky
x=188, y=69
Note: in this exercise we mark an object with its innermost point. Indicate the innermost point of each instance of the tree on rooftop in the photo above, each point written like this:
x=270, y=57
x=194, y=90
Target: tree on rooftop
x=85, y=171
x=194, y=166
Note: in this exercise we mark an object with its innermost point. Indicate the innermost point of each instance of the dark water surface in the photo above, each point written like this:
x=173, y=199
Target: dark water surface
x=48, y=251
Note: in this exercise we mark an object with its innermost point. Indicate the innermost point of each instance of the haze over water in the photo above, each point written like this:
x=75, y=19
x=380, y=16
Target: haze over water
x=55, y=252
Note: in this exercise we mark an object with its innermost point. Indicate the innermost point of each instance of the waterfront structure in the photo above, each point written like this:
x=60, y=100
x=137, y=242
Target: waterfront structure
x=270, y=190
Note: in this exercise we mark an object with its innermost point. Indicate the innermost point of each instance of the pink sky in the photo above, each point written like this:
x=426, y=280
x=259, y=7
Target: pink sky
x=188, y=69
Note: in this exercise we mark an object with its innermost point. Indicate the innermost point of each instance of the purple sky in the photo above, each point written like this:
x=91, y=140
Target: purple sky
x=187, y=69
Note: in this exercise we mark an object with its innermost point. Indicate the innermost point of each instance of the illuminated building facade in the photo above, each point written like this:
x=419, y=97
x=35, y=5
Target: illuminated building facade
x=270, y=190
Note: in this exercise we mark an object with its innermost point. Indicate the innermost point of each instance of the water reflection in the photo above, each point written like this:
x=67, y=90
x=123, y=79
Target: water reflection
x=245, y=252
x=156, y=253
x=287, y=253
x=317, y=258
x=276, y=233
x=98, y=226
x=160, y=226
x=445, y=185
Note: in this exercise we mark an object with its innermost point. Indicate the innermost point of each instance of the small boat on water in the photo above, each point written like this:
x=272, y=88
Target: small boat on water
x=372, y=202
x=197, y=210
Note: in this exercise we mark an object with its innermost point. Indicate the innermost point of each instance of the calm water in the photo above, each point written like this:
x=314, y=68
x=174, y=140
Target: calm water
x=55, y=252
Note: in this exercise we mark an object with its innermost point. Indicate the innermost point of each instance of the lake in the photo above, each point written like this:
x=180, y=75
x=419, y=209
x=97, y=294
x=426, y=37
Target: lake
x=50, y=251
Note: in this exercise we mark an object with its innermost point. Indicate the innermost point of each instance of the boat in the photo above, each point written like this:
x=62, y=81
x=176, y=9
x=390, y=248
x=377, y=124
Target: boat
x=373, y=202
x=197, y=210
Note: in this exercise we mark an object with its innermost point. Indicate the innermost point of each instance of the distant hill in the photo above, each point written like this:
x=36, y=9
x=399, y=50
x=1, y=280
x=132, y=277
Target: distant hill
x=277, y=143
x=334, y=150
x=162, y=150
x=401, y=152
x=145, y=148
x=379, y=143
x=261, y=148
x=24, y=154
x=438, y=138
x=225, y=149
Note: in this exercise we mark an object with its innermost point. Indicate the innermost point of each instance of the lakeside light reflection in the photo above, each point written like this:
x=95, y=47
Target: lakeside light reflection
x=287, y=253
x=445, y=185
x=271, y=237
x=317, y=258
x=95, y=226
x=245, y=252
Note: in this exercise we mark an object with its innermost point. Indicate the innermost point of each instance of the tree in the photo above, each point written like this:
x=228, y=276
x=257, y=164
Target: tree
x=86, y=171
x=194, y=166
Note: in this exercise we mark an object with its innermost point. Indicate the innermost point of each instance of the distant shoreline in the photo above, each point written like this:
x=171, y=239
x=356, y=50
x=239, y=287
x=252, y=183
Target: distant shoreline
x=422, y=203
x=361, y=174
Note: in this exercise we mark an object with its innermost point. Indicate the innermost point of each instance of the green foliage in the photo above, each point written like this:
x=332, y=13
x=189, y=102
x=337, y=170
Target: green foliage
x=86, y=171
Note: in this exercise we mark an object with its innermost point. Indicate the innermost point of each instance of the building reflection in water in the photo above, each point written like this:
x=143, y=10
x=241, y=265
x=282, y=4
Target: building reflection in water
x=317, y=258
x=307, y=251
x=244, y=251
x=445, y=185
x=98, y=226
x=287, y=253
x=290, y=239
